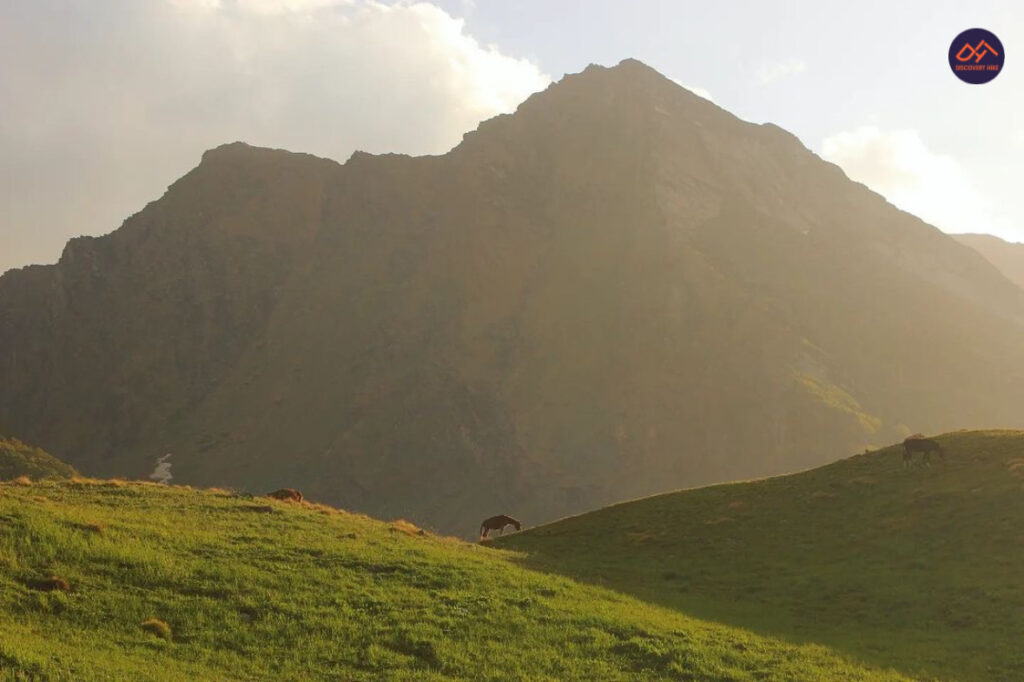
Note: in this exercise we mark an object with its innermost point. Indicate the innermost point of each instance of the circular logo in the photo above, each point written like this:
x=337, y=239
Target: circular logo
x=976, y=56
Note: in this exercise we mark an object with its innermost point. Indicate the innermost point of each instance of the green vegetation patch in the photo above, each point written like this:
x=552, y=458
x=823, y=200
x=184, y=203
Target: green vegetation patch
x=18, y=459
x=837, y=399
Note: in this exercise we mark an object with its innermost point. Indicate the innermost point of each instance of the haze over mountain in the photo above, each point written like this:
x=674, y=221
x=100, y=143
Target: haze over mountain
x=619, y=289
x=1008, y=257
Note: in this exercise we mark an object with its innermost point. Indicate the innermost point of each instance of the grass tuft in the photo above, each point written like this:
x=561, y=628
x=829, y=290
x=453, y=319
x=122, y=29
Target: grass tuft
x=157, y=628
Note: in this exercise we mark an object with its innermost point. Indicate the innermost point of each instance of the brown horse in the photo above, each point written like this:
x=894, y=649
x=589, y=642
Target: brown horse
x=498, y=523
x=917, y=443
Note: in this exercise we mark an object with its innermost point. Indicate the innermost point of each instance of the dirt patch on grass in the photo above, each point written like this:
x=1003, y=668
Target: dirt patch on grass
x=639, y=537
x=53, y=583
x=403, y=526
x=220, y=492
x=96, y=528
x=157, y=628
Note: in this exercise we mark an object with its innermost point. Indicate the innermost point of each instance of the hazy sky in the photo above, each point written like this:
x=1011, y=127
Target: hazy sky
x=106, y=102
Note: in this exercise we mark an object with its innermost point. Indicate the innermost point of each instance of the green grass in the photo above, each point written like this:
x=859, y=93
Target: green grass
x=18, y=459
x=918, y=570
x=837, y=399
x=305, y=592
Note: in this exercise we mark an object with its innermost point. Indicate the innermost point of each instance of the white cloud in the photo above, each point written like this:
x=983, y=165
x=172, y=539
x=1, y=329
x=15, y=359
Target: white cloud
x=699, y=91
x=769, y=72
x=107, y=103
x=260, y=6
x=898, y=165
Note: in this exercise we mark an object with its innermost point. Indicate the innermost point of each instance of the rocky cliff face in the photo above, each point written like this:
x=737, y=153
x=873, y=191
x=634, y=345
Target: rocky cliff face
x=617, y=290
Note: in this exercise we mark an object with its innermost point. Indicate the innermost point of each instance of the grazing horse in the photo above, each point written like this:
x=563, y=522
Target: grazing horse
x=498, y=523
x=923, y=445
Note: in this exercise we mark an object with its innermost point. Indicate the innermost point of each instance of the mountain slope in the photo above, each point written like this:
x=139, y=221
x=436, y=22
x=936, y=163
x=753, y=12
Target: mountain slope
x=18, y=459
x=914, y=569
x=1008, y=257
x=257, y=589
x=619, y=289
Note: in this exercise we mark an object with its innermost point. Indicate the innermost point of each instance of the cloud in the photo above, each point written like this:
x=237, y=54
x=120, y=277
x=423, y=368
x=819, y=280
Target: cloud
x=107, y=103
x=699, y=91
x=898, y=165
x=769, y=72
x=258, y=6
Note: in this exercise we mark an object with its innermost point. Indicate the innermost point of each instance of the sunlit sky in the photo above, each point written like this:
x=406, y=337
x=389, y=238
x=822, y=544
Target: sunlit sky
x=106, y=102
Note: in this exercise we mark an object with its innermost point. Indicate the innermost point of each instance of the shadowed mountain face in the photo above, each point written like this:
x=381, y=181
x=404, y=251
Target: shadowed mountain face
x=1008, y=257
x=617, y=290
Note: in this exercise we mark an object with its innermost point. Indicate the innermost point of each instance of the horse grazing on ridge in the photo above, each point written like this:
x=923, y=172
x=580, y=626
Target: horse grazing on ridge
x=498, y=523
x=926, y=446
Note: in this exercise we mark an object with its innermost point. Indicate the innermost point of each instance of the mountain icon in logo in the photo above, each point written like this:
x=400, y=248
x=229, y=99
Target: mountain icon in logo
x=980, y=51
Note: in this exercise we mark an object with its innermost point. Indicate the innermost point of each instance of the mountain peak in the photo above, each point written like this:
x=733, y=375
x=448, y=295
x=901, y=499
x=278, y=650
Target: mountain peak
x=233, y=152
x=627, y=65
x=568, y=309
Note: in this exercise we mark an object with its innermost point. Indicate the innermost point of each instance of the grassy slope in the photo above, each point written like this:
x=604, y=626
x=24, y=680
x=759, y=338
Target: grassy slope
x=306, y=592
x=914, y=569
x=19, y=459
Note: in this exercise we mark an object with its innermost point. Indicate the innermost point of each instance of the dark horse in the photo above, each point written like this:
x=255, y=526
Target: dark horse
x=498, y=523
x=923, y=445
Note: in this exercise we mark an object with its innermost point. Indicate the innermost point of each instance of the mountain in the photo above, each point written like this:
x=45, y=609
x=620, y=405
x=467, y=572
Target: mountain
x=108, y=580
x=1008, y=257
x=913, y=569
x=617, y=290
x=18, y=459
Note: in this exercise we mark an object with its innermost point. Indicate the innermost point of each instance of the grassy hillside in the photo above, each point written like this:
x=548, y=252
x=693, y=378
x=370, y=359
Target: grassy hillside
x=18, y=459
x=916, y=569
x=257, y=589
